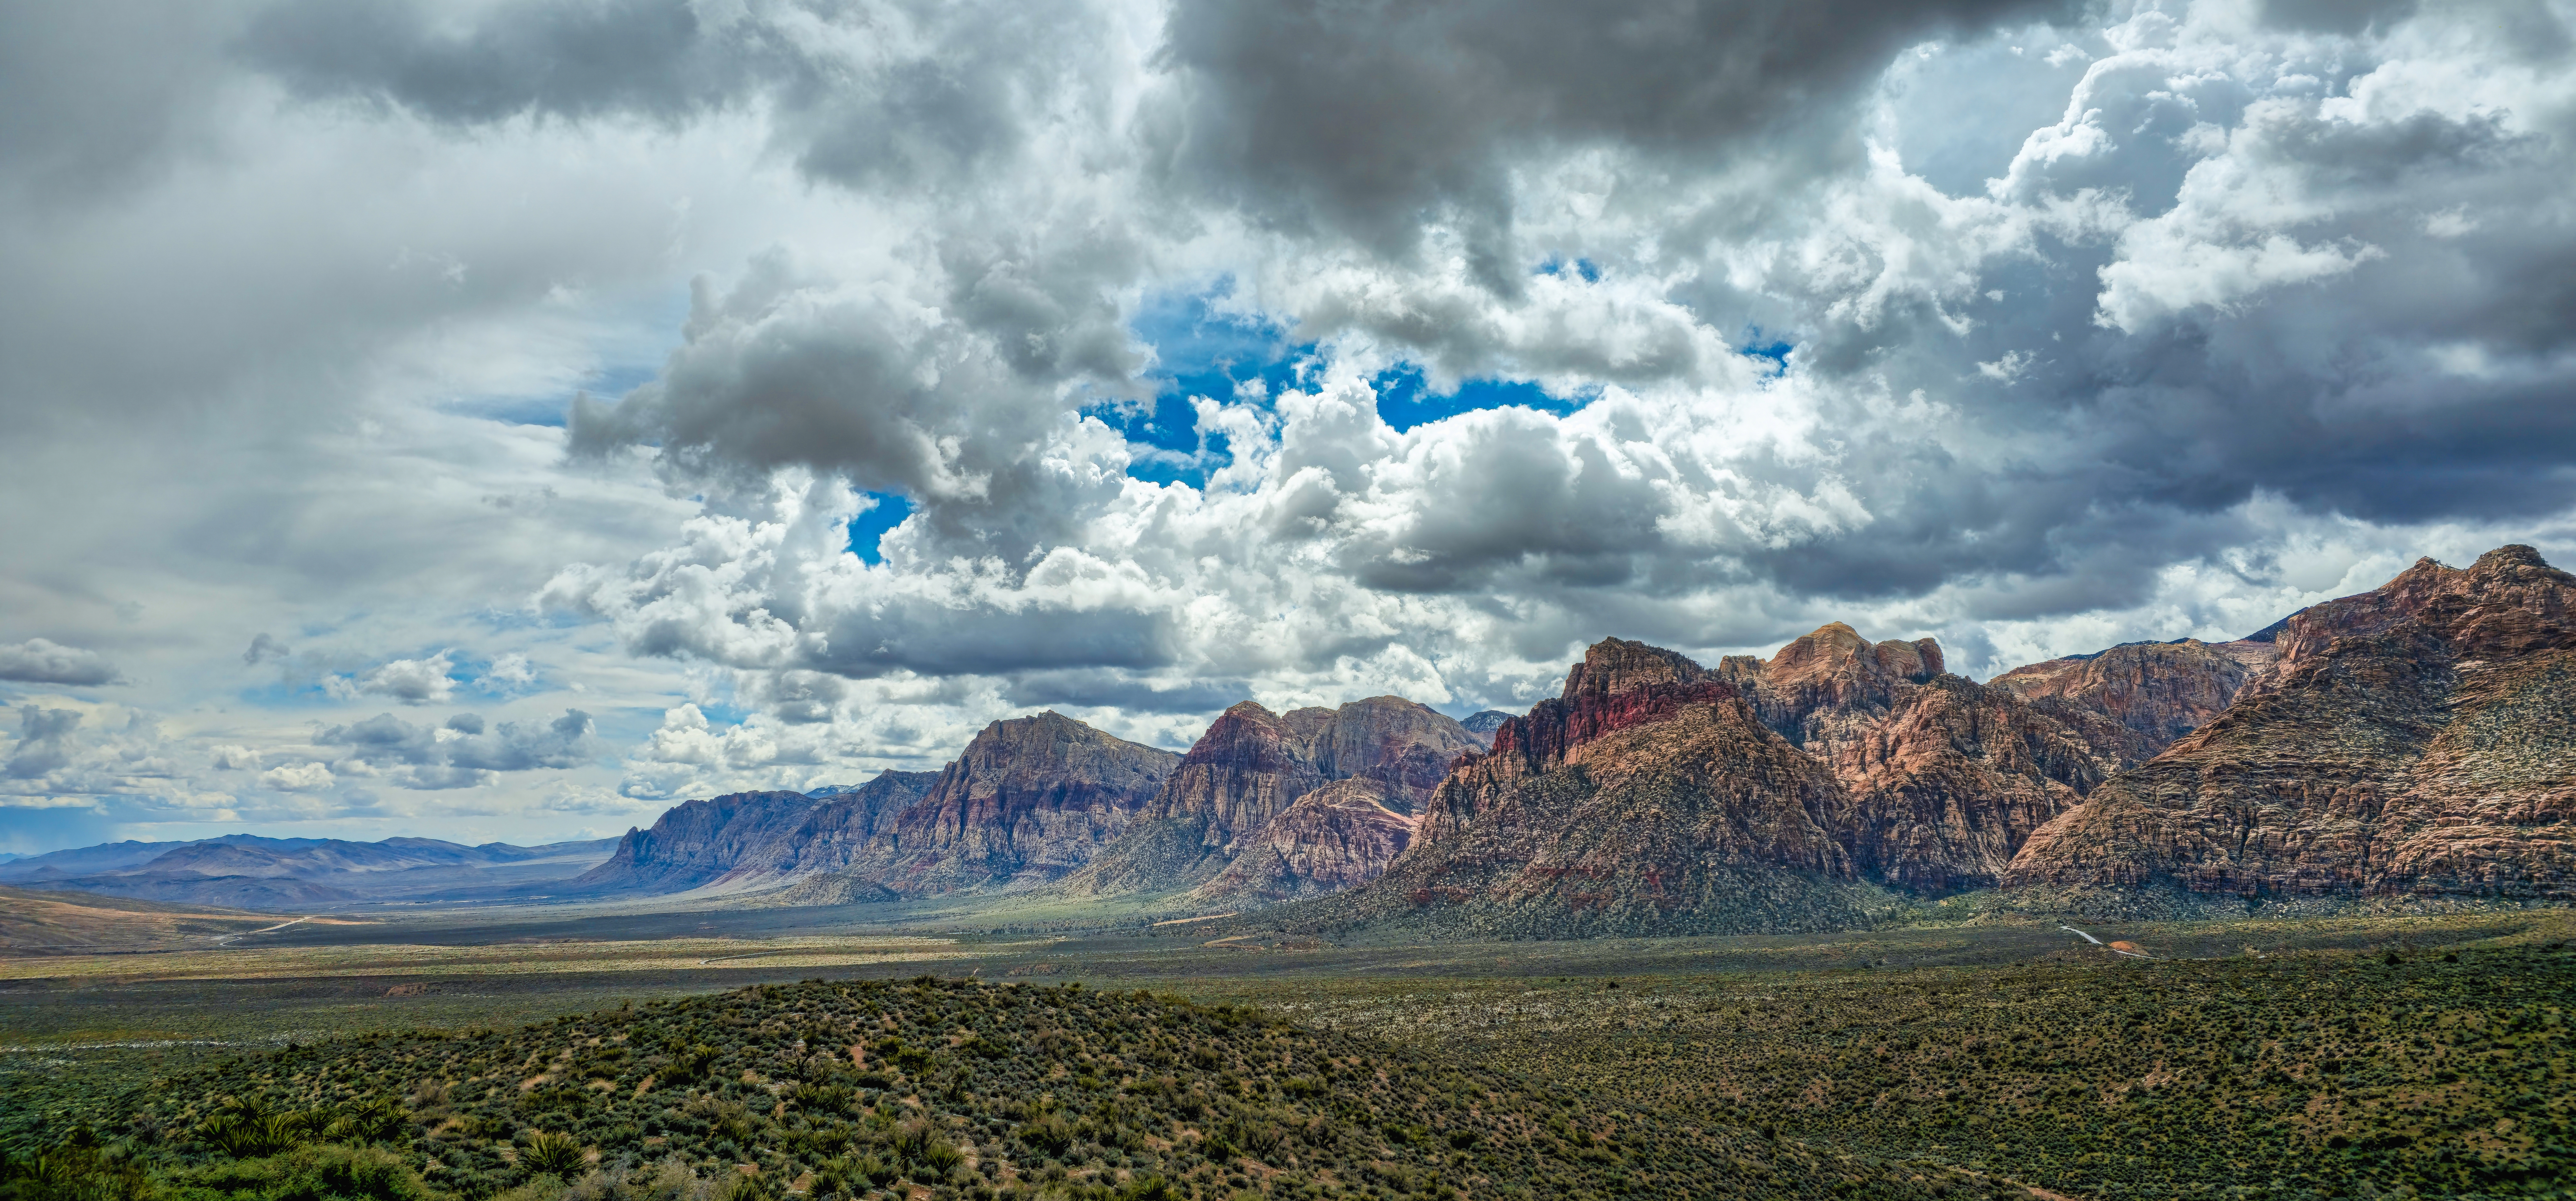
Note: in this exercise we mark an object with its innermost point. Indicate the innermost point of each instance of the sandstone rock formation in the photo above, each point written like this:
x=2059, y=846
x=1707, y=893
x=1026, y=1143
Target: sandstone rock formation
x=1339, y=836
x=835, y=832
x=2415, y=740
x=1945, y=776
x=2162, y=690
x=748, y=839
x=1028, y=801
x=1648, y=798
x=1252, y=765
x=694, y=842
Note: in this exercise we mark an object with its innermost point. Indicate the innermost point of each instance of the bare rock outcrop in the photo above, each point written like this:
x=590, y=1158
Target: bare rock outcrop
x=1339, y=836
x=2162, y=690
x=694, y=842
x=1946, y=777
x=1029, y=800
x=1252, y=765
x=751, y=839
x=1648, y=798
x=2417, y=740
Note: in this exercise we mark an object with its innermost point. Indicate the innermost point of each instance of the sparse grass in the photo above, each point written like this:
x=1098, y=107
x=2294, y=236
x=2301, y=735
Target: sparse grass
x=960, y=1089
x=1915, y=1034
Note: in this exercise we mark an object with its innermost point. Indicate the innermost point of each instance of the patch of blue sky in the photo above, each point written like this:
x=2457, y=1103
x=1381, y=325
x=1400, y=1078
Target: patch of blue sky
x=1405, y=401
x=1586, y=268
x=869, y=528
x=1761, y=344
x=1199, y=350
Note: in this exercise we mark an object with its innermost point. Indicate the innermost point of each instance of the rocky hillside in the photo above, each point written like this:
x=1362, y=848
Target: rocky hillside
x=1648, y=799
x=1339, y=836
x=1252, y=767
x=2416, y=740
x=694, y=842
x=2161, y=690
x=1030, y=800
x=747, y=839
x=1945, y=777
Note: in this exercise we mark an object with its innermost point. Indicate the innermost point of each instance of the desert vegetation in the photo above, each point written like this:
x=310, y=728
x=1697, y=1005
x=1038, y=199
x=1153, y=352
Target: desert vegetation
x=926, y=1088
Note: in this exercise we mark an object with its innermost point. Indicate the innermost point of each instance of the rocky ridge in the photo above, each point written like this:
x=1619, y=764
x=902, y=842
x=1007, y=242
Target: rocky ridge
x=1029, y=800
x=1649, y=798
x=2417, y=740
x=1336, y=837
x=2161, y=690
x=1945, y=776
x=1252, y=767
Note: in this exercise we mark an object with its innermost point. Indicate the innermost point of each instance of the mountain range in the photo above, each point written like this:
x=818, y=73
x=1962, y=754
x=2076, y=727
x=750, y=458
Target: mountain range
x=2415, y=741
x=245, y=871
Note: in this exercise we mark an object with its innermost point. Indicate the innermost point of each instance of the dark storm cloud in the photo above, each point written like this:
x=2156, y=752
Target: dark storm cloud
x=41, y=736
x=929, y=92
x=39, y=661
x=937, y=640
x=1363, y=118
x=782, y=372
x=2335, y=16
x=1114, y=690
x=95, y=95
x=555, y=58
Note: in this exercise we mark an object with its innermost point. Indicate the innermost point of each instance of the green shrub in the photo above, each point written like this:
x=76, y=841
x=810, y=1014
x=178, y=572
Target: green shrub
x=311, y=1173
x=544, y=1154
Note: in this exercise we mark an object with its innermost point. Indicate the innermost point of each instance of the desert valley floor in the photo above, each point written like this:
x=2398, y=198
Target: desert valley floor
x=1967, y=1054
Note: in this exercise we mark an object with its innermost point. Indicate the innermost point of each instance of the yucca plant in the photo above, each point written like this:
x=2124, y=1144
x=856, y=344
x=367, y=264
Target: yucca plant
x=1049, y=1134
x=246, y=1129
x=546, y=1154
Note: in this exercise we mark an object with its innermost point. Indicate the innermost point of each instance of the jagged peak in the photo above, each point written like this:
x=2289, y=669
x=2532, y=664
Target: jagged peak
x=1829, y=646
x=1615, y=665
x=2508, y=556
x=1247, y=709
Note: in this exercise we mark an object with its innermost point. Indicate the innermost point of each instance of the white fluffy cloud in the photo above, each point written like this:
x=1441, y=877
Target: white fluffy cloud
x=1222, y=350
x=411, y=681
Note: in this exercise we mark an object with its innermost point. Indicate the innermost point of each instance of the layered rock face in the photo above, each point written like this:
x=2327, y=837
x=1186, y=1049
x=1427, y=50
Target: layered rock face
x=751, y=839
x=1029, y=800
x=1339, y=836
x=694, y=842
x=1946, y=777
x=2161, y=690
x=2415, y=740
x=1648, y=798
x=835, y=833
x=1252, y=766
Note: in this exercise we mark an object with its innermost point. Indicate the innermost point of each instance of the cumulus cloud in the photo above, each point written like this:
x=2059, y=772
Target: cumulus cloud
x=1161, y=355
x=411, y=681
x=305, y=777
x=2027, y=399
x=463, y=753
x=38, y=661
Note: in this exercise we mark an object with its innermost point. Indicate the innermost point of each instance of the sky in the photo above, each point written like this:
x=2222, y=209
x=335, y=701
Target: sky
x=503, y=419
